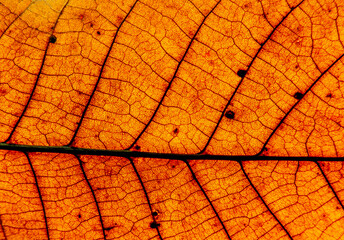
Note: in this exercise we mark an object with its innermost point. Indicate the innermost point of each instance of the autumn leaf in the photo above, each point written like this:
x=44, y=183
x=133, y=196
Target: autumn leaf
x=171, y=119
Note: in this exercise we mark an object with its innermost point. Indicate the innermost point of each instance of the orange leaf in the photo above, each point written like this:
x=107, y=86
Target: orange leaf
x=171, y=119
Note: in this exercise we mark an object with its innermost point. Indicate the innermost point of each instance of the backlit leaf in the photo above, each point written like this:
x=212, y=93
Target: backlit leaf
x=171, y=119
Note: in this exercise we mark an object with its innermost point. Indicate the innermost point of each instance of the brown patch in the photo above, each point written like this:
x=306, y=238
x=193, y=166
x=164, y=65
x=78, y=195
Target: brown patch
x=176, y=131
x=329, y=95
x=98, y=32
x=241, y=73
x=174, y=163
x=119, y=20
x=52, y=39
x=298, y=96
x=154, y=224
x=191, y=33
x=299, y=28
x=3, y=91
x=247, y=5
x=229, y=114
x=110, y=228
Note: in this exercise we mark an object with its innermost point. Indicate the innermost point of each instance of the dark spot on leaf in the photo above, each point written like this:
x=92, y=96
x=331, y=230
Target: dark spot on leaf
x=329, y=95
x=154, y=224
x=137, y=147
x=297, y=66
x=241, y=73
x=98, y=32
x=173, y=166
x=52, y=39
x=108, y=228
x=298, y=95
x=229, y=114
x=154, y=213
x=176, y=131
x=3, y=91
x=337, y=208
x=119, y=20
x=79, y=215
x=91, y=24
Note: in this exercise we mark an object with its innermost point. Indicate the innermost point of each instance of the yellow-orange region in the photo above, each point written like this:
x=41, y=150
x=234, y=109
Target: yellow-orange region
x=134, y=51
x=95, y=74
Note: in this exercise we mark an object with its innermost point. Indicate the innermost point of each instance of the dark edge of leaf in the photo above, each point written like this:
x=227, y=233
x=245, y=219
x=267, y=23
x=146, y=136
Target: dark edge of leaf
x=206, y=196
x=247, y=69
x=36, y=82
x=261, y=198
x=293, y=107
x=127, y=153
x=146, y=195
x=2, y=228
x=39, y=193
x=100, y=75
x=93, y=194
x=174, y=76
x=329, y=184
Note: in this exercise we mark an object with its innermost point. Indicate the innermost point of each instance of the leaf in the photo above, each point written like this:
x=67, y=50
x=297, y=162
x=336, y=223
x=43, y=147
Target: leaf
x=171, y=119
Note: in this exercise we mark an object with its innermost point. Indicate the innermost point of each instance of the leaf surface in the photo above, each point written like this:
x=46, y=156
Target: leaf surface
x=171, y=119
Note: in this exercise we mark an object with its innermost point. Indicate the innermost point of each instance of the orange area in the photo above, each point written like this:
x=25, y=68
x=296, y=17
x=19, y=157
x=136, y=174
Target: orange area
x=242, y=77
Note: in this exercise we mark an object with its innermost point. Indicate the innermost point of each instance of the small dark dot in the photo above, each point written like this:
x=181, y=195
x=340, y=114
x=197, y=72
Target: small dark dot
x=108, y=228
x=137, y=147
x=154, y=225
x=173, y=166
x=298, y=95
x=241, y=73
x=337, y=208
x=91, y=25
x=98, y=32
x=266, y=149
x=154, y=213
x=176, y=130
x=52, y=39
x=79, y=216
x=229, y=114
x=329, y=95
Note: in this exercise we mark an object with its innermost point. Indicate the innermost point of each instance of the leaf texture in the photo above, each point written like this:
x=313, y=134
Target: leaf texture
x=171, y=119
